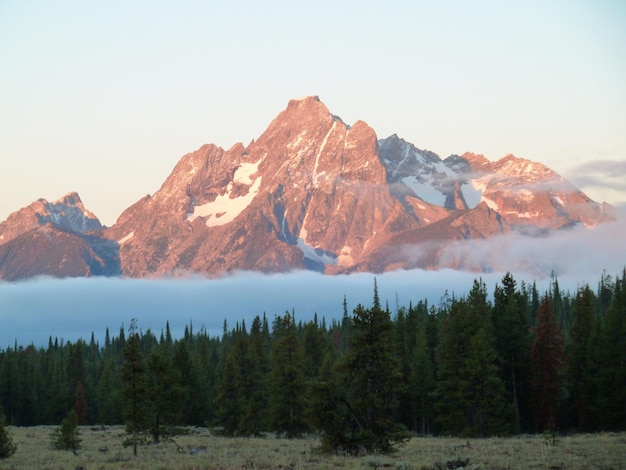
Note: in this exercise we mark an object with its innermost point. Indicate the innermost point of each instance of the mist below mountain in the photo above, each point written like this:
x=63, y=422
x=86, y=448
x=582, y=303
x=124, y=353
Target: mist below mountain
x=68, y=309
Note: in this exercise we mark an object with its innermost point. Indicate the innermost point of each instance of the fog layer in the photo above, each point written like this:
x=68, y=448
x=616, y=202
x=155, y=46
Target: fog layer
x=69, y=309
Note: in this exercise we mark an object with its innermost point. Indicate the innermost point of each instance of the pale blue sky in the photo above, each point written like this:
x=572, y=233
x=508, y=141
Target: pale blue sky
x=103, y=98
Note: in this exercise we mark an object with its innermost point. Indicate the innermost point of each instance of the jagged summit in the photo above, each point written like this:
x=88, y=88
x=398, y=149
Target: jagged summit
x=68, y=213
x=55, y=239
x=315, y=193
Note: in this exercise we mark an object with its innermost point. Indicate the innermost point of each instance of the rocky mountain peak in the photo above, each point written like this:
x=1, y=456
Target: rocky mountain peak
x=67, y=213
x=477, y=162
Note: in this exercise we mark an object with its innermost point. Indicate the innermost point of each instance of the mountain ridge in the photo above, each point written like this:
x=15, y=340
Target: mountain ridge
x=313, y=192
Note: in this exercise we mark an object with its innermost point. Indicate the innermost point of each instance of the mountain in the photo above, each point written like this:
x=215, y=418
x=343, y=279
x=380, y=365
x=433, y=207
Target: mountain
x=67, y=213
x=55, y=239
x=313, y=192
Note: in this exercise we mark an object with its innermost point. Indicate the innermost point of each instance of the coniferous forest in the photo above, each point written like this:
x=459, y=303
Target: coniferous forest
x=516, y=361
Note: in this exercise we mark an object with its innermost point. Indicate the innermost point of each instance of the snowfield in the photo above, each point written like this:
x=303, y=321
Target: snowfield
x=224, y=208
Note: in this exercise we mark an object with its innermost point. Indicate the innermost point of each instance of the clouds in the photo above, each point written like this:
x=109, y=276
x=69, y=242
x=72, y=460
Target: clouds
x=579, y=254
x=597, y=171
x=603, y=180
x=69, y=309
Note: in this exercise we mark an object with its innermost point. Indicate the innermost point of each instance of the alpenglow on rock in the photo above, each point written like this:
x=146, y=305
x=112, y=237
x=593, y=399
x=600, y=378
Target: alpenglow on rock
x=55, y=239
x=313, y=192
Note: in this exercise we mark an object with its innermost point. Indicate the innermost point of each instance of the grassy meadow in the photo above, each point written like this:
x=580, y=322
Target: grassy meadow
x=102, y=448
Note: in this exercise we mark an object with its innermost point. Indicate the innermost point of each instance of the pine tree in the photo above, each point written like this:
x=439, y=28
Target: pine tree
x=513, y=343
x=456, y=330
x=164, y=395
x=232, y=393
x=187, y=378
x=59, y=395
x=75, y=364
x=486, y=408
x=108, y=394
x=403, y=343
x=286, y=380
x=422, y=383
x=313, y=348
x=80, y=405
x=329, y=411
x=204, y=361
x=548, y=361
x=67, y=436
x=133, y=378
x=227, y=402
x=7, y=448
x=254, y=415
x=372, y=380
x=469, y=392
x=581, y=355
x=612, y=367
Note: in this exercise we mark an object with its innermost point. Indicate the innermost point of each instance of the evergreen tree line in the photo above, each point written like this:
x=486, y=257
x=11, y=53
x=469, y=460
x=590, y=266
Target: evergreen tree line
x=522, y=362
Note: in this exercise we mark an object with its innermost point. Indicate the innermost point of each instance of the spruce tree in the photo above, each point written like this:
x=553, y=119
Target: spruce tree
x=80, y=404
x=109, y=399
x=422, y=384
x=403, y=339
x=329, y=411
x=469, y=395
x=513, y=342
x=186, y=377
x=59, y=396
x=232, y=395
x=227, y=402
x=485, y=404
x=548, y=361
x=372, y=380
x=286, y=380
x=134, y=383
x=204, y=361
x=582, y=365
x=164, y=395
x=67, y=436
x=254, y=413
x=612, y=370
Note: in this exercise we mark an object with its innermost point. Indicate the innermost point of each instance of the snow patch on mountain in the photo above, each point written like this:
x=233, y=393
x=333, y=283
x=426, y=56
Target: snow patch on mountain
x=124, y=239
x=317, y=175
x=315, y=254
x=68, y=212
x=558, y=200
x=225, y=208
x=490, y=204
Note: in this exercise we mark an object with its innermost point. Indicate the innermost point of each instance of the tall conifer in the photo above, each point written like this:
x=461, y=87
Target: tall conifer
x=134, y=382
x=286, y=379
x=548, y=361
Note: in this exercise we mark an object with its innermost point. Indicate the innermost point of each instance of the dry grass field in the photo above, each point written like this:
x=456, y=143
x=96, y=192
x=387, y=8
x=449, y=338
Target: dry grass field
x=103, y=449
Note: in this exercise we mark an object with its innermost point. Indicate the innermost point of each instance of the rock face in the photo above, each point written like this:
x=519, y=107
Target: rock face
x=55, y=239
x=311, y=192
x=67, y=213
x=314, y=193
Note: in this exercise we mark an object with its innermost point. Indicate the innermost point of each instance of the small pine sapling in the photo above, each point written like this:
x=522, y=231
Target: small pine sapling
x=67, y=436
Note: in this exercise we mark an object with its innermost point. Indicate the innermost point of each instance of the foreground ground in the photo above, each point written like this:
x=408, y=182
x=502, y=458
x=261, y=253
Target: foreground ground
x=103, y=449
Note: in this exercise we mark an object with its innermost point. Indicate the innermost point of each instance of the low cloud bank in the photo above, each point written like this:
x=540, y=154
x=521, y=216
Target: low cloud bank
x=603, y=180
x=576, y=253
x=69, y=309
